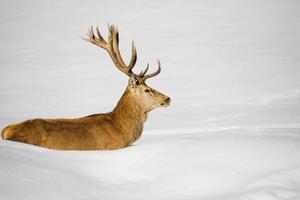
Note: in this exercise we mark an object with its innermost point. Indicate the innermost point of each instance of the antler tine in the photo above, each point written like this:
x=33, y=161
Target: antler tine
x=153, y=74
x=133, y=55
x=142, y=74
x=100, y=36
x=110, y=33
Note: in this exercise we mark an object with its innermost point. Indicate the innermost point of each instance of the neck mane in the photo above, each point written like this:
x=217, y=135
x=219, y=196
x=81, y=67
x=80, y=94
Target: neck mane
x=129, y=117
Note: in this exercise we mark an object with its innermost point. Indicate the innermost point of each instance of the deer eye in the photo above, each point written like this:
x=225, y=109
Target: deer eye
x=147, y=90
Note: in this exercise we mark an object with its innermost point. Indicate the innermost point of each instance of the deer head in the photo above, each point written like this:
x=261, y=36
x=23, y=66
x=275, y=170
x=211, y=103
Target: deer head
x=146, y=96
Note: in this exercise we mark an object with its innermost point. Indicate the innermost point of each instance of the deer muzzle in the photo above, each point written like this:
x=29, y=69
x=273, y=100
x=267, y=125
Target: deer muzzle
x=166, y=102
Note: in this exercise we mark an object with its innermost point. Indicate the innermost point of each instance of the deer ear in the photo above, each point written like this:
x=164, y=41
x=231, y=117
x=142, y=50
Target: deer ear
x=132, y=82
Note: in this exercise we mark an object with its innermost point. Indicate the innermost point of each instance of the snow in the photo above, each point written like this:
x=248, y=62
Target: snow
x=229, y=164
x=231, y=68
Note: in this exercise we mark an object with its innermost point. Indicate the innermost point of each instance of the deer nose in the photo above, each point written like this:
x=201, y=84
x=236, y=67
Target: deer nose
x=168, y=100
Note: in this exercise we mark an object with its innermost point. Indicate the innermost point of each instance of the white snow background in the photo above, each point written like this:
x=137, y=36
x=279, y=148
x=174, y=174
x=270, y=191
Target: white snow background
x=231, y=68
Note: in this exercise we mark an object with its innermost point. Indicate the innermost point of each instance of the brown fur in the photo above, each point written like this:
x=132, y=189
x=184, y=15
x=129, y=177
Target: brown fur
x=114, y=130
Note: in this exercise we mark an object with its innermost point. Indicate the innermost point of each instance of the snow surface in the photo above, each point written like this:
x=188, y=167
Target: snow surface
x=231, y=67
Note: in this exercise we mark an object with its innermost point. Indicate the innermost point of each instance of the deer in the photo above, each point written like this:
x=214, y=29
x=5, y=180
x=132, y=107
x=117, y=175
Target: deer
x=105, y=131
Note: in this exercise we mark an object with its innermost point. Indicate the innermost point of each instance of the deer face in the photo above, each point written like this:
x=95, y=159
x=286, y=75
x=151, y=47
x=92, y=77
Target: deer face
x=145, y=95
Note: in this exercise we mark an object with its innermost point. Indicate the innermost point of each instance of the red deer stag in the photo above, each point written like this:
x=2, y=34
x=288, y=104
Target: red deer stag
x=113, y=130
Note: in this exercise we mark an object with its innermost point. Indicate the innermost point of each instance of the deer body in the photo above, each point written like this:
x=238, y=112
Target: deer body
x=113, y=130
x=108, y=131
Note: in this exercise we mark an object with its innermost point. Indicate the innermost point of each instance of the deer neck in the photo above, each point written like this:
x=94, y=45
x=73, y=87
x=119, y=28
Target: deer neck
x=129, y=116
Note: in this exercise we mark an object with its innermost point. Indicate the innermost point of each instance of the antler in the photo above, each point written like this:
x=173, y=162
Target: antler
x=112, y=47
